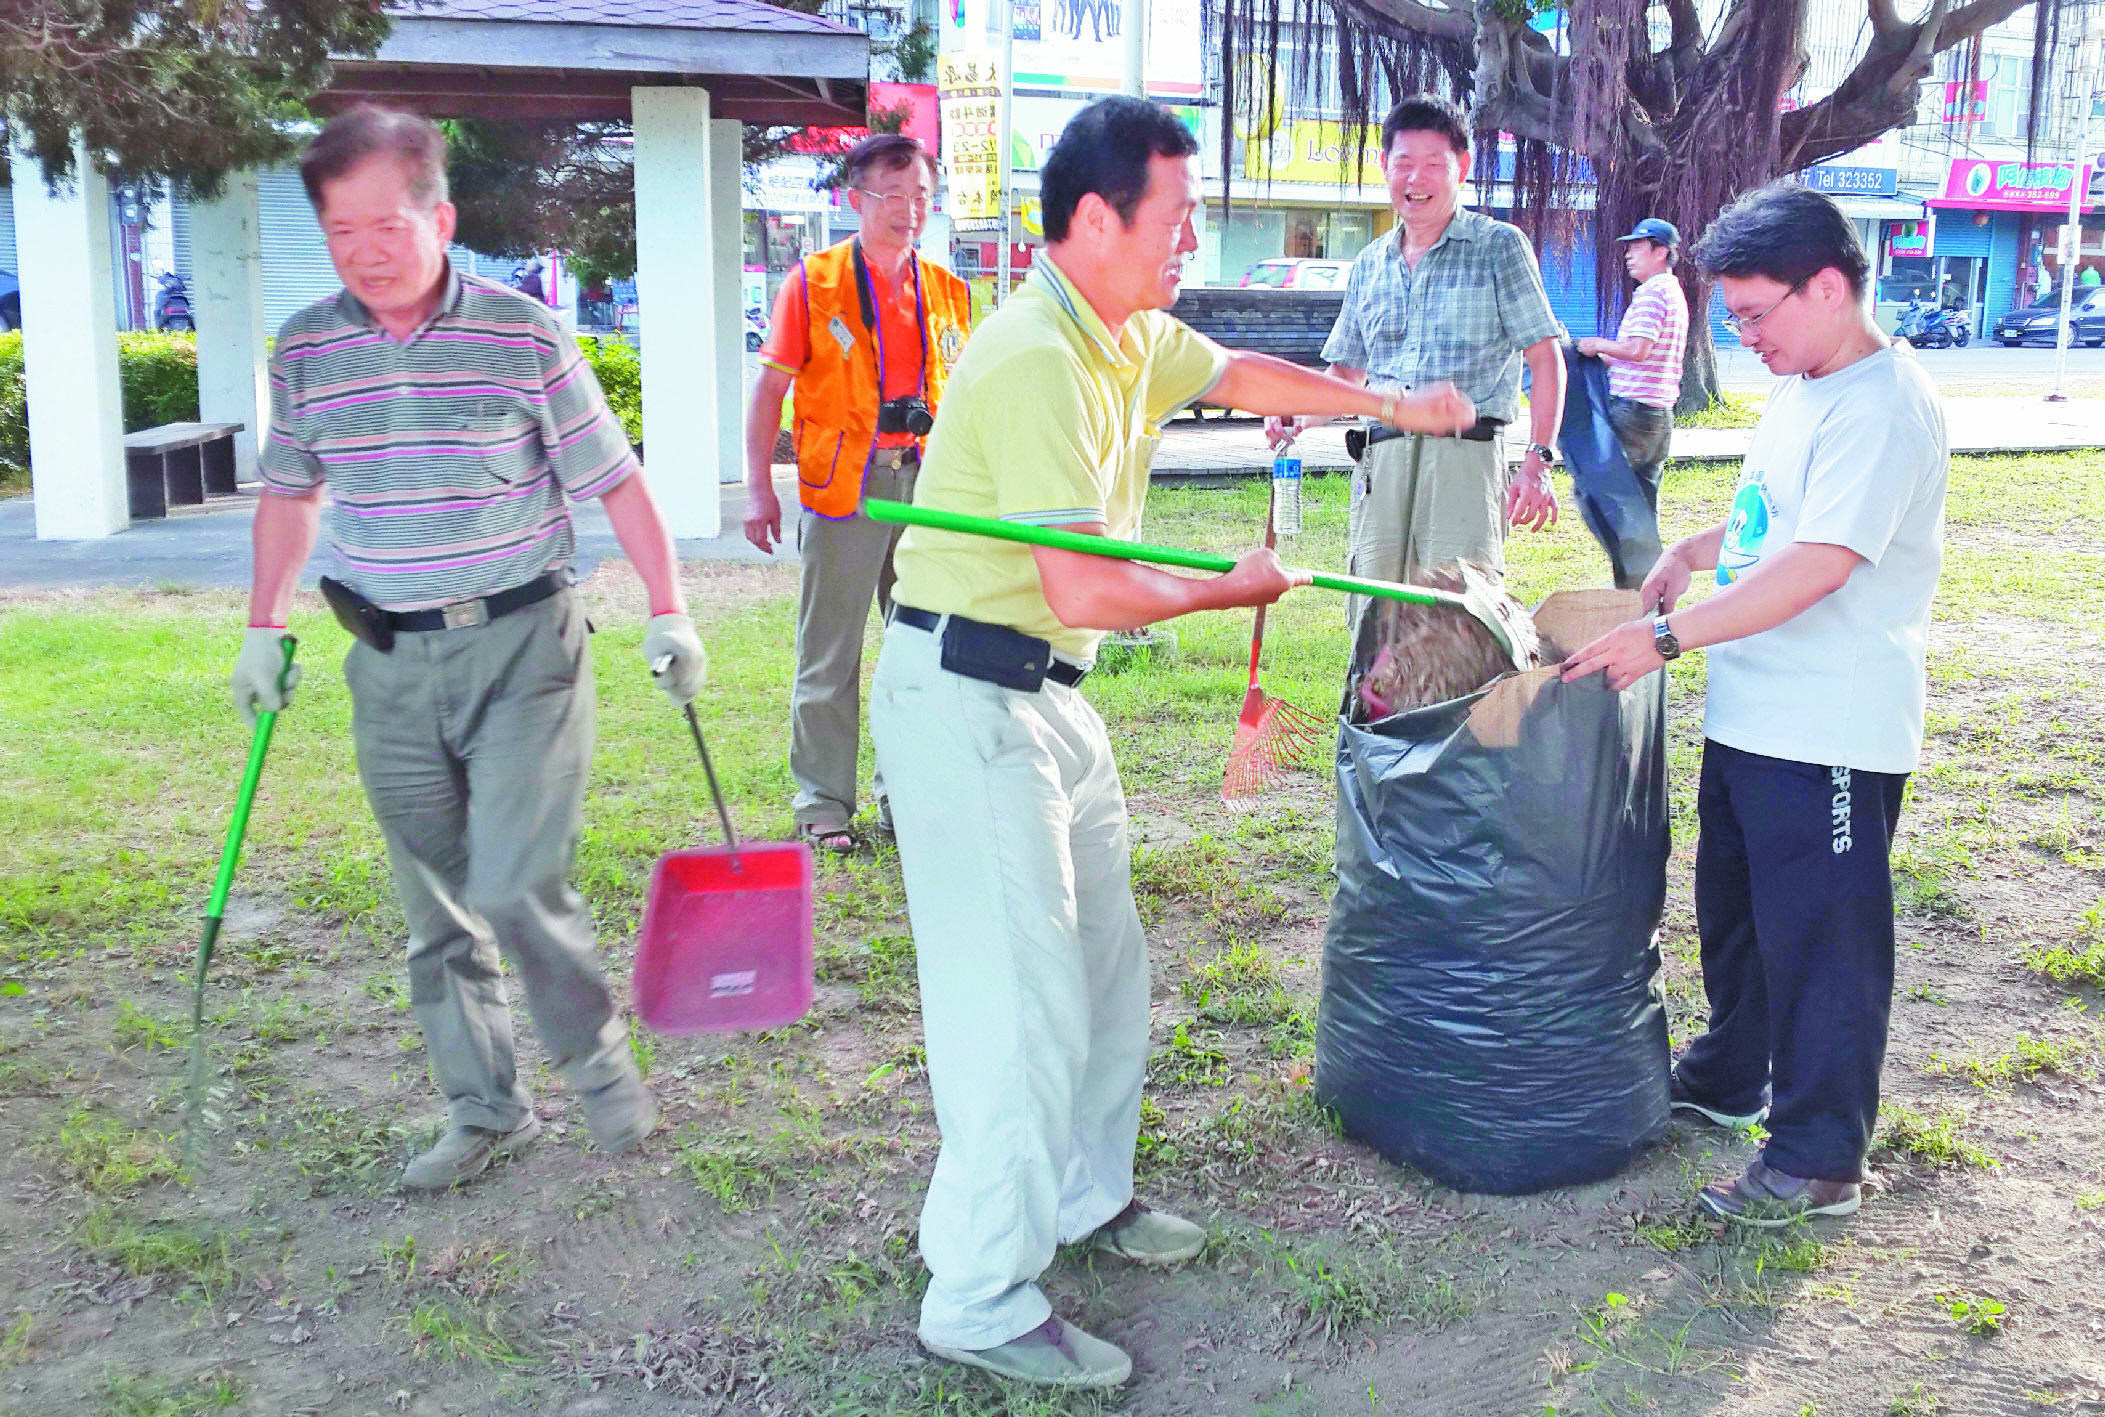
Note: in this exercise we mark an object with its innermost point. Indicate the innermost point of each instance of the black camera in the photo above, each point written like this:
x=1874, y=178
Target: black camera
x=905, y=415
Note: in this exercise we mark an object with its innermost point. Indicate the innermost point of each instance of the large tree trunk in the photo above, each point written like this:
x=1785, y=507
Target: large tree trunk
x=1699, y=372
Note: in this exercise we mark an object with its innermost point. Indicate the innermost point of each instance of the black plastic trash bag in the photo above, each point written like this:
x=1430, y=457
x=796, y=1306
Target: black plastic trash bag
x=1488, y=1013
x=1612, y=502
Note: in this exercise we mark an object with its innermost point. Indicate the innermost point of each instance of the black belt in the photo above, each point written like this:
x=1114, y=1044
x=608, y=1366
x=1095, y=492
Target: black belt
x=464, y=614
x=994, y=653
x=1358, y=440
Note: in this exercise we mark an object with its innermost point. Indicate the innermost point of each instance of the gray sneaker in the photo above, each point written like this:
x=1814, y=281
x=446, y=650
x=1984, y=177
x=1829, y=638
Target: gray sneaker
x=464, y=1153
x=621, y=1114
x=1054, y=1354
x=1149, y=1236
x=1680, y=1099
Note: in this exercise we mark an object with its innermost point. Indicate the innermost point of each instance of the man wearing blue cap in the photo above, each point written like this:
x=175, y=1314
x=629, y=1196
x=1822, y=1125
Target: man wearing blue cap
x=1644, y=358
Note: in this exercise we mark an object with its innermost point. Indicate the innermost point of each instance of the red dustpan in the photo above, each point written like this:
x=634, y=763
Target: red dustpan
x=726, y=941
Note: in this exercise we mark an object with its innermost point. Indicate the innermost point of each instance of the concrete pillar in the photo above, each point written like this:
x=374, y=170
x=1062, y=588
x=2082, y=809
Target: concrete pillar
x=726, y=265
x=688, y=258
x=69, y=353
x=226, y=298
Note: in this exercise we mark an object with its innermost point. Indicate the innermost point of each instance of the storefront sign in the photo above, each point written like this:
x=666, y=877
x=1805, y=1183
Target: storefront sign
x=1966, y=101
x=1905, y=239
x=1075, y=44
x=1305, y=150
x=968, y=87
x=1852, y=181
x=788, y=184
x=1980, y=184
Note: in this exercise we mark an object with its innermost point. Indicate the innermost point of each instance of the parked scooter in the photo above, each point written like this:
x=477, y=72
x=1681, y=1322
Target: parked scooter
x=1926, y=326
x=171, y=305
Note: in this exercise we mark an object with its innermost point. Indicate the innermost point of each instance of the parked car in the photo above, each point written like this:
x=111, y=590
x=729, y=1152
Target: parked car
x=2042, y=318
x=10, y=301
x=1291, y=273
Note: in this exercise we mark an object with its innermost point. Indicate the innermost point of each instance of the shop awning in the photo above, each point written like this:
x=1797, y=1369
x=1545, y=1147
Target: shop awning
x=1905, y=207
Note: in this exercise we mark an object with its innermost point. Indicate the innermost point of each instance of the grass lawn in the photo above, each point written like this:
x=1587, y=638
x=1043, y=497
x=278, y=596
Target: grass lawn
x=757, y=1256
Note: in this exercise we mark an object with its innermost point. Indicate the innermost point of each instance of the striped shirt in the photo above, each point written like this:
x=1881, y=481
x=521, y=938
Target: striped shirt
x=1659, y=313
x=449, y=454
x=1464, y=315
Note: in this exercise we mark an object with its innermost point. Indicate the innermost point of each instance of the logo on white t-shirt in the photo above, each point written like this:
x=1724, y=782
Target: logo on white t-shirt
x=1745, y=532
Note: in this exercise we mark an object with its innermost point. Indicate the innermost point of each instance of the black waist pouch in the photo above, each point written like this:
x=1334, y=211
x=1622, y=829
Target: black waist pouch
x=366, y=621
x=995, y=654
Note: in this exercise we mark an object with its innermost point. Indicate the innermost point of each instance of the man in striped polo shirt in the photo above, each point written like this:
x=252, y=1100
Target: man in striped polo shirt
x=1644, y=359
x=450, y=418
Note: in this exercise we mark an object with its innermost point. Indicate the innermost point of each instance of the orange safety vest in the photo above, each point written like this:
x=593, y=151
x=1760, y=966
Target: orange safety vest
x=838, y=389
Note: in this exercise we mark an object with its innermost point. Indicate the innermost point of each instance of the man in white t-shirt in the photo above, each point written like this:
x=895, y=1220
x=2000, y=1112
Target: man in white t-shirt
x=1813, y=716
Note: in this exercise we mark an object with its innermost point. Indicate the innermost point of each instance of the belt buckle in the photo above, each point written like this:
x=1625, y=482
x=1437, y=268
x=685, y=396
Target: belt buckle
x=465, y=614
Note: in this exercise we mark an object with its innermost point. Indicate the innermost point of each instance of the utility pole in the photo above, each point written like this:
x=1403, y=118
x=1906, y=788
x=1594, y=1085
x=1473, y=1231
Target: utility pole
x=1134, y=19
x=2078, y=189
x=1004, y=124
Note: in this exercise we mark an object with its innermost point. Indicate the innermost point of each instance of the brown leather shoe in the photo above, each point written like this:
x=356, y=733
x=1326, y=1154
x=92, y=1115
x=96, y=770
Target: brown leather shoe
x=1765, y=1197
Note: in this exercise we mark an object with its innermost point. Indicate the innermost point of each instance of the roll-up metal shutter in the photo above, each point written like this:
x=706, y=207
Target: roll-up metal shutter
x=1958, y=236
x=2002, y=268
x=296, y=269
x=179, y=238
x=7, y=231
x=1567, y=278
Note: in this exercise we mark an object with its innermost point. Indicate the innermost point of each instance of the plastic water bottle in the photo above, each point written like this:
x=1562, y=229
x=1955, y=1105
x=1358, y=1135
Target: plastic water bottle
x=1286, y=496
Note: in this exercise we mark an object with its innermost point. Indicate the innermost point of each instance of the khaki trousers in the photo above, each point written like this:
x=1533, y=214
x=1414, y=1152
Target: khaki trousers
x=1033, y=972
x=1419, y=502
x=473, y=746
x=846, y=563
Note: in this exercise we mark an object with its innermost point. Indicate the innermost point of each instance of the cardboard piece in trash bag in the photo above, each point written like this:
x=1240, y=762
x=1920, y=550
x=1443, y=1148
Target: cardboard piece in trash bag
x=1573, y=619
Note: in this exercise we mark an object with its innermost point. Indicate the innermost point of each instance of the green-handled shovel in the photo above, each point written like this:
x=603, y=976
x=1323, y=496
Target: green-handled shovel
x=1479, y=600
x=215, y=911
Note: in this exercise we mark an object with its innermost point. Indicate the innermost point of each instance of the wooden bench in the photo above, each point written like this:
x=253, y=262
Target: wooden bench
x=178, y=464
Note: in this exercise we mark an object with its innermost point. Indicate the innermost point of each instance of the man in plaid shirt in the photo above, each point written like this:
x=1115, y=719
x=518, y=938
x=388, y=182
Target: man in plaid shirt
x=1449, y=296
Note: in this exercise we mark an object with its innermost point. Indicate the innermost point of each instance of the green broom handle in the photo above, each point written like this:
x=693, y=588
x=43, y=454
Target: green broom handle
x=904, y=514
x=238, y=826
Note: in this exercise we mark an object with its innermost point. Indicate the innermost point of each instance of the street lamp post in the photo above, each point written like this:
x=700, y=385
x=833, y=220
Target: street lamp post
x=2078, y=189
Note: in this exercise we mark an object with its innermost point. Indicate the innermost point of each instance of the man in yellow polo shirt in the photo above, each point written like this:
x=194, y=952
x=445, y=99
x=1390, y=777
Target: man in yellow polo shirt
x=1011, y=822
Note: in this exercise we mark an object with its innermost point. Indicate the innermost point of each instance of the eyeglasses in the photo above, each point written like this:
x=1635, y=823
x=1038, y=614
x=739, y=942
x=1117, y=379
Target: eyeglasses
x=1745, y=325
x=905, y=201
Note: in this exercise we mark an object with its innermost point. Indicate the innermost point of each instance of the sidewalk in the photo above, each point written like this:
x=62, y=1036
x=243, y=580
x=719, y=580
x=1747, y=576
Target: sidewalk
x=209, y=545
x=1218, y=448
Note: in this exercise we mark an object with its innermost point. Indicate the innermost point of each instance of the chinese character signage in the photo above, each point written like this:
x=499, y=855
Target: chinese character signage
x=968, y=89
x=1076, y=44
x=1981, y=184
x=1966, y=100
x=1912, y=238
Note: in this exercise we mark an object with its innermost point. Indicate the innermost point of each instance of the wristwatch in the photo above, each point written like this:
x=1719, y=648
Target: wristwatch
x=1544, y=451
x=1663, y=639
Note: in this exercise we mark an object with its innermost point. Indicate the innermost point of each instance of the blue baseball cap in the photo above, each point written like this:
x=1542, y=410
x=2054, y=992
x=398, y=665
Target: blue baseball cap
x=1654, y=230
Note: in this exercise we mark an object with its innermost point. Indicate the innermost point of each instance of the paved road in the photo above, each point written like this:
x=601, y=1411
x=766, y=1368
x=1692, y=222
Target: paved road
x=1975, y=364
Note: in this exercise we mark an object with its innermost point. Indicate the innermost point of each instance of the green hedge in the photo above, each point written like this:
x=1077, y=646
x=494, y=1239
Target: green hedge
x=160, y=386
x=620, y=374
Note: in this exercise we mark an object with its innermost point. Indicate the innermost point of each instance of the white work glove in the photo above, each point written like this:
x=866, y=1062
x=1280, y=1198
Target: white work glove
x=672, y=639
x=258, y=673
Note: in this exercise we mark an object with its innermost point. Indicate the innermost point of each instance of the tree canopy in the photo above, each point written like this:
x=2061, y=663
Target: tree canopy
x=1673, y=121
x=182, y=90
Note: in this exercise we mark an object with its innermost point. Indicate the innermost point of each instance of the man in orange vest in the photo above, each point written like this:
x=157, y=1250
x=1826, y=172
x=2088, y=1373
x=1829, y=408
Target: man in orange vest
x=867, y=331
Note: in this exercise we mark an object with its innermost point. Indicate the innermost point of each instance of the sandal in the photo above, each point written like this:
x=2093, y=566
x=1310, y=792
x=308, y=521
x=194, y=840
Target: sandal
x=841, y=840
